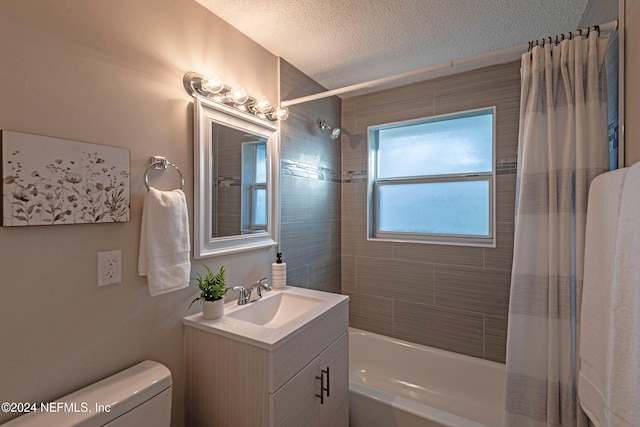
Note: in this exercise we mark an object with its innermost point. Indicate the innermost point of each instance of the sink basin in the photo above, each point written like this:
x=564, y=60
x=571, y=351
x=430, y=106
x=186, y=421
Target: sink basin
x=275, y=311
x=271, y=321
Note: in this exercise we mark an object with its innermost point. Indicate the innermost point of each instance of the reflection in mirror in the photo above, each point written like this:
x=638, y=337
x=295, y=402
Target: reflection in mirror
x=239, y=196
x=235, y=180
x=254, y=186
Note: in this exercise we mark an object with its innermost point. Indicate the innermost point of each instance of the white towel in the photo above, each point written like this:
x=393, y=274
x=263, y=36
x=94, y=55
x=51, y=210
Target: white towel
x=609, y=380
x=164, y=255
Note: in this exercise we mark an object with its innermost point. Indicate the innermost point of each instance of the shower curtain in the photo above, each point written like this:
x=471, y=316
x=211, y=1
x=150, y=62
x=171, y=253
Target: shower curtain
x=562, y=146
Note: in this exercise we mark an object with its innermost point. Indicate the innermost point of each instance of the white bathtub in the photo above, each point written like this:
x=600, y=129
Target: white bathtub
x=398, y=383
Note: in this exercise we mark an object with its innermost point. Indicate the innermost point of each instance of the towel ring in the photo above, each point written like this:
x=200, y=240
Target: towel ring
x=161, y=163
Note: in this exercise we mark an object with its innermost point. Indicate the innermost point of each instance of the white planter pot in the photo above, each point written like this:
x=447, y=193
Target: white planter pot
x=213, y=309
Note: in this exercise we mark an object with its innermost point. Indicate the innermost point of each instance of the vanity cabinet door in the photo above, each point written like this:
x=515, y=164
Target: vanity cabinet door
x=334, y=412
x=296, y=404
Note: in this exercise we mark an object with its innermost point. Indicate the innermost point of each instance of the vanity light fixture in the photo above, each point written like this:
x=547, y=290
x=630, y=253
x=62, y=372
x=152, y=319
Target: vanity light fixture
x=212, y=87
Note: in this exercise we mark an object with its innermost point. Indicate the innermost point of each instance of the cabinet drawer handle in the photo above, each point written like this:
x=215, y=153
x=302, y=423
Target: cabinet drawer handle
x=321, y=395
x=322, y=385
x=328, y=380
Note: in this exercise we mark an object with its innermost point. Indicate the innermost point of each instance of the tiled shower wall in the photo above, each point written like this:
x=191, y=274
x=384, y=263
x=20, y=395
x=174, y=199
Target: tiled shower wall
x=451, y=297
x=309, y=186
x=227, y=218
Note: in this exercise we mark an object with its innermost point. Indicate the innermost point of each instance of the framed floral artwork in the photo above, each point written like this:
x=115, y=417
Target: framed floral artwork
x=48, y=181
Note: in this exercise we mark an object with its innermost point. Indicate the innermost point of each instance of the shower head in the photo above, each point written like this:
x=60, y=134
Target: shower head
x=334, y=132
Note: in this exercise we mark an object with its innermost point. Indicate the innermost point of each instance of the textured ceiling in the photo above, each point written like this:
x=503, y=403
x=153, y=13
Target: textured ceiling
x=342, y=42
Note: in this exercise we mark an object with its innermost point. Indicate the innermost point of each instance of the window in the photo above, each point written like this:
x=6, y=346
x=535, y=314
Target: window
x=432, y=180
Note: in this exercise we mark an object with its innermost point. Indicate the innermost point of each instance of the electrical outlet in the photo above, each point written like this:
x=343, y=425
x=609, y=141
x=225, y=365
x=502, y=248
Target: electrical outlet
x=109, y=267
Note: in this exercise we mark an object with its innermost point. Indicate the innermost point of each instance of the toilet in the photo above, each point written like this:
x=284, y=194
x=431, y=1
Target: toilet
x=139, y=396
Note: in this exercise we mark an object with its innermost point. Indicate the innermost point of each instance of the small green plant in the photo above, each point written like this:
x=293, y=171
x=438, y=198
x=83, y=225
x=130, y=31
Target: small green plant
x=212, y=286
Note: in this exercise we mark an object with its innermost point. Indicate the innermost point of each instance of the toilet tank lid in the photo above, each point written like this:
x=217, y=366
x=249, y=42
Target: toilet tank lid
x=104, y=400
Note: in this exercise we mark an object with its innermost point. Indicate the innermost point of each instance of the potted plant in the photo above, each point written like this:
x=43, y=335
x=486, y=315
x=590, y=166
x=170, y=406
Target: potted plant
x=212, y=290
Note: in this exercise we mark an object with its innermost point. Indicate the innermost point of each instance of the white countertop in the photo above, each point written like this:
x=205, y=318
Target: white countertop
x=266, y=337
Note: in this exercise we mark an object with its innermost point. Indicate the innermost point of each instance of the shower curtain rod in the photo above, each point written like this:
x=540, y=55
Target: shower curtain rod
x=609, y=26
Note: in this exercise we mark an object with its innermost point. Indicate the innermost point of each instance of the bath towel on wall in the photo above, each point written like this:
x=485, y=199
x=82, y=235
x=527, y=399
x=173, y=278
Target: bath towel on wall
x=165, y=256
x=609, y=380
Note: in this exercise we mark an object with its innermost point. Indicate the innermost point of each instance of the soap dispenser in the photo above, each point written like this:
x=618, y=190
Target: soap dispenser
x=278, y=273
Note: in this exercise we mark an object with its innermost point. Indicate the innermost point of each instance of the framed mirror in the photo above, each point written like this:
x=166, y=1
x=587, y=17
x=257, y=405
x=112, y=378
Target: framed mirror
x=235, y=180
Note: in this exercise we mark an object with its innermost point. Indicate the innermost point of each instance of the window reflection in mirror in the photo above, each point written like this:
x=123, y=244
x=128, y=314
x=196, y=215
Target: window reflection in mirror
x=254, y=186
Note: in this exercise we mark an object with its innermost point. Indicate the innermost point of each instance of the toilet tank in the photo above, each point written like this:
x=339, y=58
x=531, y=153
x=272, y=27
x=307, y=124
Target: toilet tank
x=139, y=396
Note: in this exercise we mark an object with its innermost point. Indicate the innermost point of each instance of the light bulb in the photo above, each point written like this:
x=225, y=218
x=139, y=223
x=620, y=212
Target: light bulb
x=262, y=105
x=281, y=113
x=238, y=95
x=211, y=83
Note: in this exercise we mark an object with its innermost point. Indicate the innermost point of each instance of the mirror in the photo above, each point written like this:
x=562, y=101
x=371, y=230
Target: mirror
x=235, y=180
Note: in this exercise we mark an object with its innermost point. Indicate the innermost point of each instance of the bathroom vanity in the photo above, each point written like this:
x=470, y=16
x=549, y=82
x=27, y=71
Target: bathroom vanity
x=279, y=361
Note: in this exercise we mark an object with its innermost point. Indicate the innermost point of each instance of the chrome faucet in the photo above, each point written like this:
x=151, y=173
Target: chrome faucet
x=244, y=296
x=258, y=286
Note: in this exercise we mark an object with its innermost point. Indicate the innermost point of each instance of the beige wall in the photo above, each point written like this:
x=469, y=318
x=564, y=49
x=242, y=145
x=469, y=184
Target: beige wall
x=632, y=82
x=107, y=72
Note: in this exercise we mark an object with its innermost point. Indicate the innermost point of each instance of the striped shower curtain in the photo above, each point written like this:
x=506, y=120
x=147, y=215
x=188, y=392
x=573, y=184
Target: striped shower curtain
x=562, y=146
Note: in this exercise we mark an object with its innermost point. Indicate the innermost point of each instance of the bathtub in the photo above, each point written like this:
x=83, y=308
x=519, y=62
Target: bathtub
x=398, y=383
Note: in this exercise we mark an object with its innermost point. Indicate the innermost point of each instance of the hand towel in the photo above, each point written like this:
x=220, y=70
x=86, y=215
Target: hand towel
x=609, y=381
x=165, y=256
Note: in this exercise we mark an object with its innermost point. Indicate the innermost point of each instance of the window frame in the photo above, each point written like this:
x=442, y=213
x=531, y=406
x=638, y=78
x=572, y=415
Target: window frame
x=374, y=183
